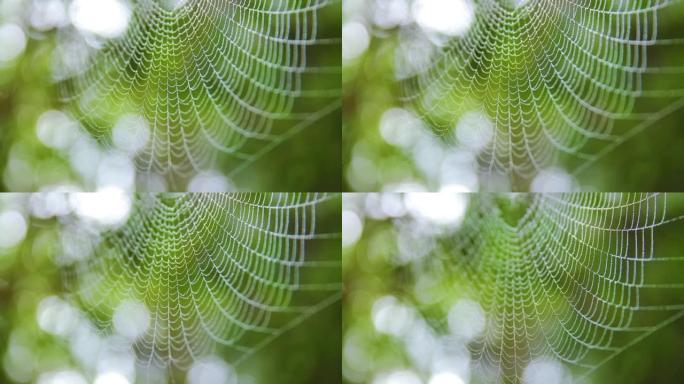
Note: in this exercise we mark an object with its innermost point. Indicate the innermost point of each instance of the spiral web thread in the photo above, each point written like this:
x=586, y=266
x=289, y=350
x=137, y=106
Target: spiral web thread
x=213, y=78
x=554, y=78
x=575, y=277
x=227, y=271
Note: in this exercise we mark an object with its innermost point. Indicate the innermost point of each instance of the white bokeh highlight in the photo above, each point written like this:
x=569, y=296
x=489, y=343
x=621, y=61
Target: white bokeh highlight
x=448, y=17
x=355, y=40
x=13, y=228
x=545, y=370
x=352, y=228
x=131, y=134
x=466, y=319
x=104, y=18
x=552, y=180
x=131, y=319
x=57, y=130
x=107, y=207
x=446, y=378
x=13, y=42
x=211, y=370
x=391, y=317
x=446, y=208
x=474, y=130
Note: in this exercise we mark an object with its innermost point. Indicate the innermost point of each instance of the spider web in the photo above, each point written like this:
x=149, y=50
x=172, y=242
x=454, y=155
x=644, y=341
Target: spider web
x=574, y=277
x=217, y=273
x=214, y=80
x=554, y=79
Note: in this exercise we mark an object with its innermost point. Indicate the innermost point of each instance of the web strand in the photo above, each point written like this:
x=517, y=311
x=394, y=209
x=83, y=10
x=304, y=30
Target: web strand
x=557, y=79
x=216, y=272
x=577, y=277
x=213, y=79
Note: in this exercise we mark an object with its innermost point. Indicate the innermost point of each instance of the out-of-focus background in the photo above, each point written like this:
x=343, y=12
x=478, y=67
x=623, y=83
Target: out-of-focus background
x=48, y=337
x=387, y=146
x=401, y=293
x=44, y=146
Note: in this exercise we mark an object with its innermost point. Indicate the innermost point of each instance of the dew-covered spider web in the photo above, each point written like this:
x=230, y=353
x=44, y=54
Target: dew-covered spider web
x=197, y=84
x=195, y=275
x=574, y=278
x=545, y=80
